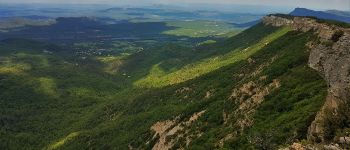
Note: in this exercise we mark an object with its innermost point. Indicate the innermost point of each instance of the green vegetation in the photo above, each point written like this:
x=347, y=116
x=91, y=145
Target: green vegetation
x=284, y=115
x=57, y=100
x=46, y=96
x=158, y=78
x=337, y=35
x=7, y=25
x=201, y=28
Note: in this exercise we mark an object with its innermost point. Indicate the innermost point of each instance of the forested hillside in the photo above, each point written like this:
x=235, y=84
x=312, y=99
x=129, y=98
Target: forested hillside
x=252, y=90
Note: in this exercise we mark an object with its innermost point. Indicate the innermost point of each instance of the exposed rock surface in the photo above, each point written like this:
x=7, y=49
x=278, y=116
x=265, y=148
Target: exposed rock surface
x=330, y=56
x=344, y=140
x=248, y=98
x=171, y=128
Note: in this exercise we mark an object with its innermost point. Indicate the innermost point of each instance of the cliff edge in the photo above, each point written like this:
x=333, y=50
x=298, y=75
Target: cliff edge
x=330, y=56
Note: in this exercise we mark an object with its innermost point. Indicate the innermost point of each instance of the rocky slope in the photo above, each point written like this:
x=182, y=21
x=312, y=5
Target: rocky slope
x=268, y=104
x=262, y=89
x=330, y=56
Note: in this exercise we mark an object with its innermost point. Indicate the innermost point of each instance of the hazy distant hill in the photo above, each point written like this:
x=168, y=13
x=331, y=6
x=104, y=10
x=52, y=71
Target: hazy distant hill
x=339, y=13
x=331, y=15
x=175, y=14
x=248, y=24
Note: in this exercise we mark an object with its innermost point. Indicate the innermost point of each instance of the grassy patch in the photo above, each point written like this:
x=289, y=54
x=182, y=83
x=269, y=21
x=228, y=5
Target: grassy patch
x=194, y=70
x=200, y=28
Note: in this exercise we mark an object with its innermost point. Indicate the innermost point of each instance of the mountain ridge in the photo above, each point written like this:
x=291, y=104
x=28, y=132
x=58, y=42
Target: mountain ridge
x=329, y=55
x=320, y=14
x=280, y=82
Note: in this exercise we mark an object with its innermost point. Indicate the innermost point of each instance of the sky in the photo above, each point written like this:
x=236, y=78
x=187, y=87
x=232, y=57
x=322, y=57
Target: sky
x=314, y=4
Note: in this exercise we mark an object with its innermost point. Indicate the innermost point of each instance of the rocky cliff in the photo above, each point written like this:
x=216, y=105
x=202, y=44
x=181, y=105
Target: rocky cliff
x=330, y=56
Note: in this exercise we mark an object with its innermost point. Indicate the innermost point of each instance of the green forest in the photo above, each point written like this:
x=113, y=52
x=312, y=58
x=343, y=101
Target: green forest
x=59, y=101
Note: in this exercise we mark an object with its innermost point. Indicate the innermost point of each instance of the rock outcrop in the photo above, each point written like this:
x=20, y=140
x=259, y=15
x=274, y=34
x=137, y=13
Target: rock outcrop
x=330, y=56
x=168, y=132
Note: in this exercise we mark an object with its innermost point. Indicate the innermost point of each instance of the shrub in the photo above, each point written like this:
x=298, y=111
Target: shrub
x=337, y=35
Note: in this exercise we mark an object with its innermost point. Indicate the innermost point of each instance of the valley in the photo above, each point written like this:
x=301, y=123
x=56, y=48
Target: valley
x=133, y=78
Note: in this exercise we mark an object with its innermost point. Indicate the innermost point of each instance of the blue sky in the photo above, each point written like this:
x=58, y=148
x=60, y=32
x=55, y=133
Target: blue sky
x=315, y=4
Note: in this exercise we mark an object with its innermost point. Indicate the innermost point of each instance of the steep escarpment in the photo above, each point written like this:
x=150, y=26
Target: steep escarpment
x=330, y=56
x=261, y=89
x=263, y=102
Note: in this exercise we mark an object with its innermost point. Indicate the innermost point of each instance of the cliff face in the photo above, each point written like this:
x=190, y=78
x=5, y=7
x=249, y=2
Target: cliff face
x=330, y=56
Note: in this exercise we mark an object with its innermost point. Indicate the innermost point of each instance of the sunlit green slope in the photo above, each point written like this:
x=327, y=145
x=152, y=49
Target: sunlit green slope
x=285, y=95
x=254, y=82
x=158, y=77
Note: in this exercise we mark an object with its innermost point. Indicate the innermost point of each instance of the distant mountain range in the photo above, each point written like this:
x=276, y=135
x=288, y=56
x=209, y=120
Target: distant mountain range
x=247, y=24
x=339, y=13
x=330, y=14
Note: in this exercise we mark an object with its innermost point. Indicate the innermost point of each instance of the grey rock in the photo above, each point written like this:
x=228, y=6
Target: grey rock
x=331, y=60
x=344, y=140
